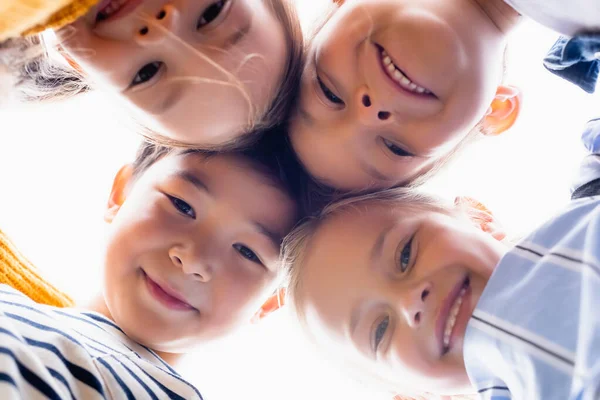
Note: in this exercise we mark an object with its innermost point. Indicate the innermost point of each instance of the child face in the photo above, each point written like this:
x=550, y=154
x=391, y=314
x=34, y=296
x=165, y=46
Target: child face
x=391, y=291
x=178, y=61
x=360, y=125
x=193, y=248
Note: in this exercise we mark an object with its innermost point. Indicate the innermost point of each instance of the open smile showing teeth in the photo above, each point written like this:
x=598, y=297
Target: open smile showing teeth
x=109, y=9
x=398, y=76
x=454, y=310
x=452, y=317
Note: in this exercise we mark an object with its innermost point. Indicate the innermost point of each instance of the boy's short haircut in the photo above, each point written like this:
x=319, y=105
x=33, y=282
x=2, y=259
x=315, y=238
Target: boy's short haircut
x=264, y=156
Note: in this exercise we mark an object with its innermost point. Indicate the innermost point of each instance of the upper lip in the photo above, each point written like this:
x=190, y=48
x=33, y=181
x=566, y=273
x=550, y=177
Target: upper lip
x=171, y=292
x=444, y=312
x=381, y=49
x=129, y=6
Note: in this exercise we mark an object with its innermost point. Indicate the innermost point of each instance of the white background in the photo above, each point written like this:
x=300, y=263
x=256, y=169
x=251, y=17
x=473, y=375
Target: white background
x=57, y=164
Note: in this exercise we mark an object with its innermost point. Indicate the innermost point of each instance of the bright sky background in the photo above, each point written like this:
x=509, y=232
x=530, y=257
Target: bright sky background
x=57, y=164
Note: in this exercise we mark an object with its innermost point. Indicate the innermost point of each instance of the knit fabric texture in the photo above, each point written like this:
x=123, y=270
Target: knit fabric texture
x=27, y=17
x=18, y=272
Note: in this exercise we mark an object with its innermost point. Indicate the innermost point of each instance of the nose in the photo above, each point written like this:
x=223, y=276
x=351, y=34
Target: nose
x=415, y=304
x=154, y=29
x=191, y=264
x=370, y=112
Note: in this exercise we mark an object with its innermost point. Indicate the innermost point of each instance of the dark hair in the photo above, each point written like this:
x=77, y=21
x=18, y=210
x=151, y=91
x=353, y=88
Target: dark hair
x=310, y=194
x=262, y=157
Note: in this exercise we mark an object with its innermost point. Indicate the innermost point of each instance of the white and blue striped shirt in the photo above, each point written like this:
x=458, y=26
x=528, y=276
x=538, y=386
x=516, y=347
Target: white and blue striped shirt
x=535, y=333
x=53, y=353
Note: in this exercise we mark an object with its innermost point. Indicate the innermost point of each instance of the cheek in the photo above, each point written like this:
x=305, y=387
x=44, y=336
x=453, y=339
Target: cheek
x=238, y=295
x=140, y=227
x=414, y=360
x=474, y=95
x=108, y=64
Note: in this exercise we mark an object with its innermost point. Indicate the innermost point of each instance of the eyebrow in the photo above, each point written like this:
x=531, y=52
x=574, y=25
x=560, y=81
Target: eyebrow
x=274, y=237
x=193, y=179
x=377, y=248
x=355, y=317
x=237, y=36
x=373, y=172
x=375, y=253
x=334, y=82
x=305, y=115
x=175, y=92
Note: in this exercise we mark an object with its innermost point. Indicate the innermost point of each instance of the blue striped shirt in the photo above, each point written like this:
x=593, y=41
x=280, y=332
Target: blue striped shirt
x=535, y=333
x=54, y=353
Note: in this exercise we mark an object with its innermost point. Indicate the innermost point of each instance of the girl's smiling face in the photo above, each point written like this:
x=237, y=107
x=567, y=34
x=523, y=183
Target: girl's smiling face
x=392, y=86
x=197, y=71
x=390, y=290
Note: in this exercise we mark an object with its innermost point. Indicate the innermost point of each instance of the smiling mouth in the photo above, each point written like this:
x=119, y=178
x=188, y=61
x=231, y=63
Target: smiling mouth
x=453, y=314
x=165, y=296
x=109, y=8
x=399, y=77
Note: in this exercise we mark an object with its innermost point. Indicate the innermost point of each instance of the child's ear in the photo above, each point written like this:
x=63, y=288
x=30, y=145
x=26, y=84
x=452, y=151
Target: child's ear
x=482, y=217
x=504, y=110
x=118, y=193
x=274, y=303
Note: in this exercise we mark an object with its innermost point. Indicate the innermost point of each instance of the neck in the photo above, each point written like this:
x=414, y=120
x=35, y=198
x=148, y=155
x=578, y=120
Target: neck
x=169, y=358
x=500, y=13
x=99, y=305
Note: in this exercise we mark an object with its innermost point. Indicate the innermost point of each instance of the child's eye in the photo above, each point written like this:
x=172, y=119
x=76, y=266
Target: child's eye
x=397, y=150
x=329, y=95
x=146, y=73
x=247, y=253
x=380, y=330
x=211, y=13
x=183, y=207
x=405, y=256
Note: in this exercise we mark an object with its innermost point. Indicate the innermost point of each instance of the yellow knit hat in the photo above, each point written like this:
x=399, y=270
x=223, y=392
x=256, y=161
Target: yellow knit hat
x=26, y=17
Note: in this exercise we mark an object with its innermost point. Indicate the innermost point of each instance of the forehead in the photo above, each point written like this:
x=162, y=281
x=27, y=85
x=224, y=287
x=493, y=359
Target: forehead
x=336, y=267
x=234, y=181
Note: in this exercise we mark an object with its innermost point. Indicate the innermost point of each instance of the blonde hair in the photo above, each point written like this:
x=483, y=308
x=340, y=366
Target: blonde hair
x=43, y=74
x=298, y=242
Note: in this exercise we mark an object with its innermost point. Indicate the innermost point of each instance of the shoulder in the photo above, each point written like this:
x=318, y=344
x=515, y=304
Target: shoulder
x=567, y=17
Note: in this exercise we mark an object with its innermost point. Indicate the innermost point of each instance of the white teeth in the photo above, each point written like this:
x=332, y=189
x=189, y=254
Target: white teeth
x=452, y=317
x=395, y=73
x=113, y=7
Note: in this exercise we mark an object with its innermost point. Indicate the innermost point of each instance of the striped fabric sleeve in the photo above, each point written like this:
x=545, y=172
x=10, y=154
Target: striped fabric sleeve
x=22, y=374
